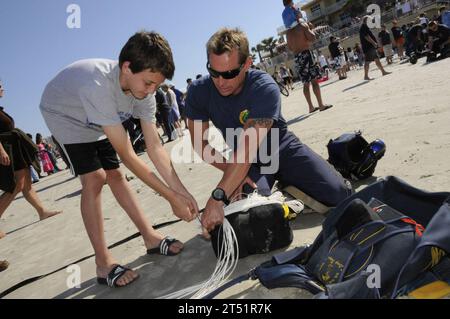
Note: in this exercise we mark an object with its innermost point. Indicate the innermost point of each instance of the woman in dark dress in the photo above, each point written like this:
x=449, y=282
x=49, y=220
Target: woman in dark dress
x=17, y=153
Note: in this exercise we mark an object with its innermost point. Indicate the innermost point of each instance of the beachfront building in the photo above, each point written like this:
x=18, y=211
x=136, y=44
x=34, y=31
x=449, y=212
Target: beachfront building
x=328, y=12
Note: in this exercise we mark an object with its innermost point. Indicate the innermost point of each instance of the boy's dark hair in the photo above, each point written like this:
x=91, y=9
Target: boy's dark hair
x=286, y=2
x=442, y=9
x=148, y=50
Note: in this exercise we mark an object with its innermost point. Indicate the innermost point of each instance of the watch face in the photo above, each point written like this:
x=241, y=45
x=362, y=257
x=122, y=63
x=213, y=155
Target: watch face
x=218, y=194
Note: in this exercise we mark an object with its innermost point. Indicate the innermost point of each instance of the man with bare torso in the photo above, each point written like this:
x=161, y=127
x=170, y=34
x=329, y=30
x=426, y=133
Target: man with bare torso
x=299, y=41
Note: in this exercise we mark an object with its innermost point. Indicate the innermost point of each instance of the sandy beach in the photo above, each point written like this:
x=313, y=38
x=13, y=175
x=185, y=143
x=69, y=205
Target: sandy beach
x=408, y=109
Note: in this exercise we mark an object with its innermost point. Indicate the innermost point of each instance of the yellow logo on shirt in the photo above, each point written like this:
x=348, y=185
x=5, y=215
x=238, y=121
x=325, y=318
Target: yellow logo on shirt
x=243, y=116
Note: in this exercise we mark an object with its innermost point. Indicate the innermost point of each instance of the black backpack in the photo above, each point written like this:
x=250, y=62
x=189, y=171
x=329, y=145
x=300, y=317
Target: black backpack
x=353, y=156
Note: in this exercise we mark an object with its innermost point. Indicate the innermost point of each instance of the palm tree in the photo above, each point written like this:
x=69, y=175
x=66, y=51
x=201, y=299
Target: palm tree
x=258, y=50
x=269, y=44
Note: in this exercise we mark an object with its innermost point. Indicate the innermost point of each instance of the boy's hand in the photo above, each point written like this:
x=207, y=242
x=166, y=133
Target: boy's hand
x=183, y=208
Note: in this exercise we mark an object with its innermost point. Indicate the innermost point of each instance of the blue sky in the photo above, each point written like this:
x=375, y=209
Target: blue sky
x=36, y=42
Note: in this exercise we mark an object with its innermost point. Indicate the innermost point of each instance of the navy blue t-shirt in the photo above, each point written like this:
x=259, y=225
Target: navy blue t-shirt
x=259, y=99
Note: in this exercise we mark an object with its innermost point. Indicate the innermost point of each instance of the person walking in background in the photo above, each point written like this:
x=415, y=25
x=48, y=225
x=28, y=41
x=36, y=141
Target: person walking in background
x=399, y=39
x=175, y=112
x=385, y=41
x=46, y=162
x=369, y=46
x=299, y=41
x=337, y=53
x=17, y=154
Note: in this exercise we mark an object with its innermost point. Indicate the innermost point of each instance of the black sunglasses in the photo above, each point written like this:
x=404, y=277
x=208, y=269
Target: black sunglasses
x=227, y=75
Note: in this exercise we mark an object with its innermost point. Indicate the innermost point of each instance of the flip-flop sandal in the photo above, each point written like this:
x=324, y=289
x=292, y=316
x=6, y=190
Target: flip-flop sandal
x=164, y=247
x=326, y=107
x=114, y=275
x=315, y=110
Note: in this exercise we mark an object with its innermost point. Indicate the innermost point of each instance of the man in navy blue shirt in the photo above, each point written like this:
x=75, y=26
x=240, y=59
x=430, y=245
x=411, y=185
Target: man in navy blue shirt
x=234, y=96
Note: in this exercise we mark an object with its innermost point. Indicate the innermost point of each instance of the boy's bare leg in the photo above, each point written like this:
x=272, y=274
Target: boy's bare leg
x=128, y=201
x=91, y=210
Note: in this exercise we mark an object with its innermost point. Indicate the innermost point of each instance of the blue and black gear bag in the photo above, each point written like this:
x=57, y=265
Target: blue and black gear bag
x=389, y=230
x=353, y=156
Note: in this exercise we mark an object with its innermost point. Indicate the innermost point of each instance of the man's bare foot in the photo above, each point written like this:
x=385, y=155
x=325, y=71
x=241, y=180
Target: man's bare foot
x=46, y=215
x=368, y=79
x=2, y=234
x=127, y=278
x=386, y=73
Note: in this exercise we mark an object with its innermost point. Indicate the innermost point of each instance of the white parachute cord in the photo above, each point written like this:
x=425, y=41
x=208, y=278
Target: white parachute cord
x=226, y=264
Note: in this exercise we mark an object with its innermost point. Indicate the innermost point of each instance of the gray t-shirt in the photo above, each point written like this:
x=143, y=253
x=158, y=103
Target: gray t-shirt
x=85, y=96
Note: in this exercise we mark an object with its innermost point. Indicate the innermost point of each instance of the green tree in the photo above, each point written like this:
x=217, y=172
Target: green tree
x=269, y=44
x=258, y=50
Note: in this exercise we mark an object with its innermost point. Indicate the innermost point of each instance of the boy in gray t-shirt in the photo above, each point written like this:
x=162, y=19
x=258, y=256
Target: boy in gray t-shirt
x=84, y=107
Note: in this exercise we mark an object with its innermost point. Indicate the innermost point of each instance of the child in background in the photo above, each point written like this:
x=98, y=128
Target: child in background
x=47, y=164
x=292, y=16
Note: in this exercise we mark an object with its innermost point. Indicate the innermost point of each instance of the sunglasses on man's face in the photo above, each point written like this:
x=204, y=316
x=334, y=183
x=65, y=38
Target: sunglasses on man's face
x=227, y=75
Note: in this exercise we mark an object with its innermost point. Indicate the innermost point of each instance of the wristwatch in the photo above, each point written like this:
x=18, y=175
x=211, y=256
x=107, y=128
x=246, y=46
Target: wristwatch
x=219, y=195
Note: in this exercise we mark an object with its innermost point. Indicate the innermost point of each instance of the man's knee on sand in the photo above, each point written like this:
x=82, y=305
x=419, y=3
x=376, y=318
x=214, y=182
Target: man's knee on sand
x=337, y=192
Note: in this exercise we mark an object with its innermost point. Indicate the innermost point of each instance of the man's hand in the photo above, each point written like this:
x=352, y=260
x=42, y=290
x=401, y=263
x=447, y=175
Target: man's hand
x=238, y=192
x=4, y=158
x=184, y=208
x=213, y=215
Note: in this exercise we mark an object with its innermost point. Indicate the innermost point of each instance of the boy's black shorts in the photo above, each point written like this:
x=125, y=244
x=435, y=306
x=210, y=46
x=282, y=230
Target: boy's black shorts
x=89, y=157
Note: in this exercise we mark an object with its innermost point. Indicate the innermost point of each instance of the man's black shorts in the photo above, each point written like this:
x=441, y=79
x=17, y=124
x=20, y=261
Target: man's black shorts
x=371, y=55
x=89, y=157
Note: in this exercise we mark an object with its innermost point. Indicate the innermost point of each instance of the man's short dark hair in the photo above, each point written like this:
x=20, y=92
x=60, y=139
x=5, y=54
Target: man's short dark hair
x=148, y=50
x=287, y=2
x=188, y=80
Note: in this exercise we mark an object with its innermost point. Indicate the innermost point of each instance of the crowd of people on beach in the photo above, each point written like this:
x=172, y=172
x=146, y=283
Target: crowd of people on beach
x=131, y=100
x=421, y=34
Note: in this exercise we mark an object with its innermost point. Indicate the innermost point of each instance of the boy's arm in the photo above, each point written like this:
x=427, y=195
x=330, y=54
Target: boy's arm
x=158, y=155
x=197, y=131
x=121, y=143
